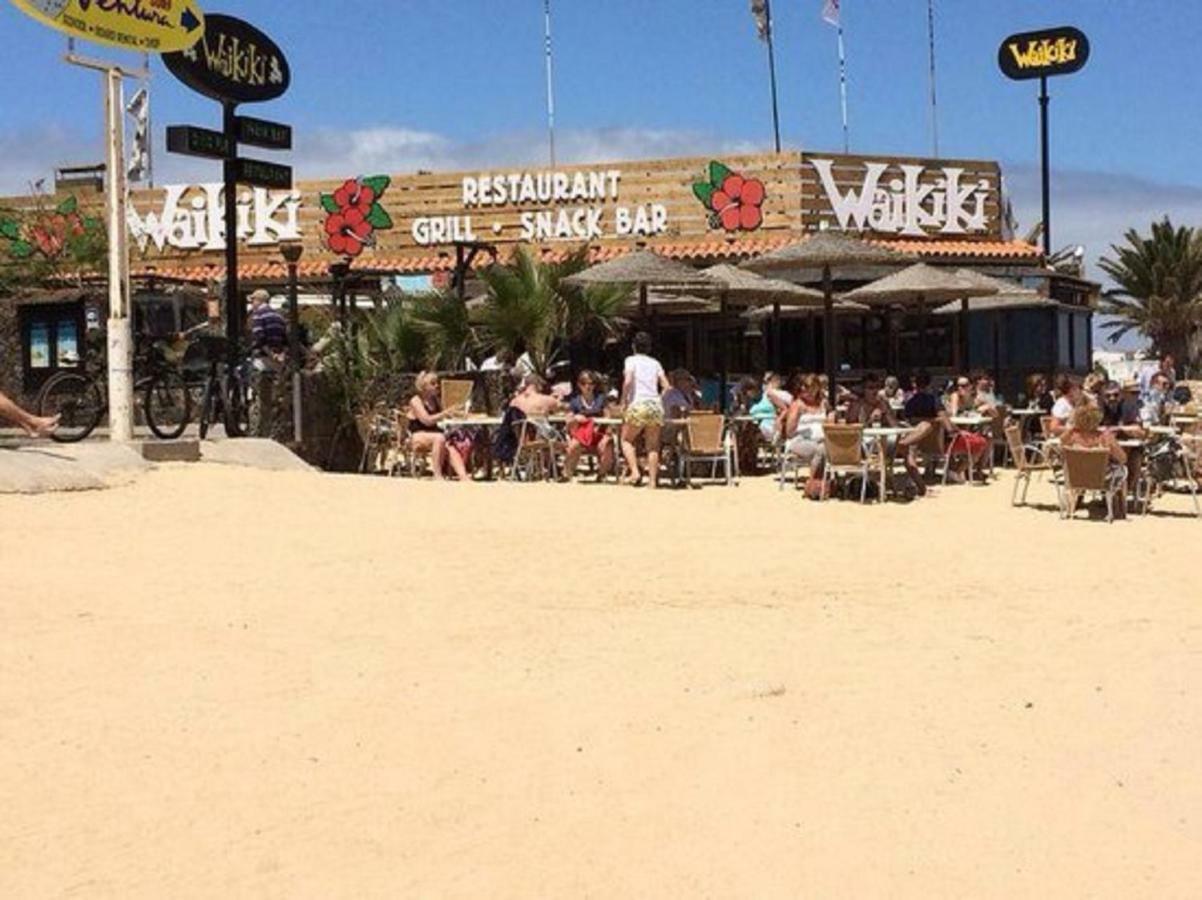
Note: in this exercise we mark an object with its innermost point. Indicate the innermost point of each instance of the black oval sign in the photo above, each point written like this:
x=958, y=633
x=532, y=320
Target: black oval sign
x=233, y=62
x=1035, y=54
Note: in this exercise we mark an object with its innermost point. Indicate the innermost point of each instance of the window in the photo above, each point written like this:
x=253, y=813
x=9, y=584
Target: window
x=51, y=340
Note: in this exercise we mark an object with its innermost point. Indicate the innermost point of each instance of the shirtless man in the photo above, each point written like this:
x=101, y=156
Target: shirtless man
x=533, y=400
x=34, y=426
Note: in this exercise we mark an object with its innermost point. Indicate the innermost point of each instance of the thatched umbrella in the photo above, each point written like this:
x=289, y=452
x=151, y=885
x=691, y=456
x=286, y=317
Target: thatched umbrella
x=921, y=286
x=822, y=252
x=641, y=269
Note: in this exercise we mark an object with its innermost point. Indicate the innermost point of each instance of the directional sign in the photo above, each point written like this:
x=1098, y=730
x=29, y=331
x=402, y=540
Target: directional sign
x=261, y=133
x=263, y=174
x=1038, y=54
x=233, y=63
x=148, y=26
x=192, y=141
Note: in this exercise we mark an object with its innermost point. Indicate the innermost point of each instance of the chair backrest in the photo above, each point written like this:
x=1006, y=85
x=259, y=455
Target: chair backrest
x=1048, y=425
x=1085, y=468
x=400, y=428
x=844, y=444
x=455, y=393
x=705, y=432
x=1191, y=450
x=1014, y=440
x=998, y=426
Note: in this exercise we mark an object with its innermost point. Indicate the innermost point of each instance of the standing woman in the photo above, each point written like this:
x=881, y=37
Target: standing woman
x=424, y=413
x=643, y=383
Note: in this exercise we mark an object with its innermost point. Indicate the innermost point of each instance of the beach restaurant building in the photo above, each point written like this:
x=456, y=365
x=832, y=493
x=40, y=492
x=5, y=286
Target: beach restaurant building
x=410, y=232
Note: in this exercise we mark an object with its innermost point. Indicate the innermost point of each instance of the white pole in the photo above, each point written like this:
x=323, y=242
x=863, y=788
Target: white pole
x=550, y=79
x=120, y=331
x=843, y=88
x=931, y=54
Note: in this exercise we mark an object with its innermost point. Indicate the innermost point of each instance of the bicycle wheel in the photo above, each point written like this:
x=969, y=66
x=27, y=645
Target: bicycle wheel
x=236, y=408
x=168, y=405
x=77, y=402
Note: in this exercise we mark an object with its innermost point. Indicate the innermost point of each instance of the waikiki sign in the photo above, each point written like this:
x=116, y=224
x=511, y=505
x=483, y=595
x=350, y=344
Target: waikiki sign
x=192, y=218
x=909, y=199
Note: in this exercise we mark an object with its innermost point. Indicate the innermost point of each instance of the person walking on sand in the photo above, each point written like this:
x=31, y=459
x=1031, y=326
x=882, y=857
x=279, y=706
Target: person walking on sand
x=643, y=384
x=34, y=426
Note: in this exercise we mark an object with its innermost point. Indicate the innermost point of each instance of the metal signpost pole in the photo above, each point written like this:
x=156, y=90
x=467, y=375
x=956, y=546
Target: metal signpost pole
x=120, y=329
x=233, y=303
x=292, y=255
x=1045, y=167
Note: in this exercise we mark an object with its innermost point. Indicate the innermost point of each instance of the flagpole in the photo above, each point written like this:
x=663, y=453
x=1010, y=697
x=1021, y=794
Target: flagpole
x=772, y=75
x=550, y=80
x=931, y=52
x=843, y=85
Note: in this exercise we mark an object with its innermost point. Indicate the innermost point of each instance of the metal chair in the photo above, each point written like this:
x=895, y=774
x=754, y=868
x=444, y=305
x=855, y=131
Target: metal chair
x=845, y=456
x=405, y=456
x=706, y=442
x=539, y=444
x=1089, y=470
x=1029, y=460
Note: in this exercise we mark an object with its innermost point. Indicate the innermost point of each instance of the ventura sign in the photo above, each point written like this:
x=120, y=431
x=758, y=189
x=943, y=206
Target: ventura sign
x=148, y=26
x=915, y=201
x=191, y=218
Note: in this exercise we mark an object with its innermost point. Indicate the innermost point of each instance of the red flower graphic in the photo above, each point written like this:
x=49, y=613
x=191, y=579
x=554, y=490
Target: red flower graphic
x=354, y=214
x=734, y=201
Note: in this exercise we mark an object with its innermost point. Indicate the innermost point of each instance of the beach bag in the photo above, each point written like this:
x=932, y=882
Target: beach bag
x=813, y=488
x=461, y=441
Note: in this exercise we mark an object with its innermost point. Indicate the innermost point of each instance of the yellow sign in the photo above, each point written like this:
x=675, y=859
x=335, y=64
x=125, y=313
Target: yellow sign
x=147, y=26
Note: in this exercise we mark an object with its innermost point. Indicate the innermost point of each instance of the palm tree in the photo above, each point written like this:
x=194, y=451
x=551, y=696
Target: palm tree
x=529, y=310
x=442, y=320
x=1159, y=288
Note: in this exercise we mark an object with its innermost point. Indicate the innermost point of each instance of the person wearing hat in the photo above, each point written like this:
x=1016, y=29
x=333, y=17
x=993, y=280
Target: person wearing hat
x=268, y=330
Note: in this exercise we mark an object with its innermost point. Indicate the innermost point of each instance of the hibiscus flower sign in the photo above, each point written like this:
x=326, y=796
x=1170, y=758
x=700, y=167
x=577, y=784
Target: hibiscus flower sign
x=734, y=201
x=354, y=214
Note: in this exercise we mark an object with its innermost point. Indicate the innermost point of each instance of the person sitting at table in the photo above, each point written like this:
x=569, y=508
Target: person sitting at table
x=1084, y=431
x=1069, y=397
x=1120, y=412
x=769, y=410
x=803, y=427
x=892, y=392
x=424, y=412
x=643, y=382
x=985, y=396
x=965, y=443
x=533, y=400
x=1039, y=396
x=680, y=398
x=869, y=406
x=584, y=434
x=1153, y=411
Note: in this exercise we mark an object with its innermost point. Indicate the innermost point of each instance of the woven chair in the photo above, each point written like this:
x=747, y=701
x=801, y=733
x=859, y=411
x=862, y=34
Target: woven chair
x=375, y=434
x=455, y=394
x=997, y=434
x=1029, y=460
x=539, y=445
x=705, y=441
x=845, y=456
x=1191, y=463
x=1088, y=470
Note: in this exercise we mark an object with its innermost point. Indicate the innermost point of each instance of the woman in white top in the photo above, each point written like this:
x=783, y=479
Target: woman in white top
x=643, y=383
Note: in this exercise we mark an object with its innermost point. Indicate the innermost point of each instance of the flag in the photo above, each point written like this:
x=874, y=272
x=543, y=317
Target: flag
x=830, y=12
x=759, y=10
x=139, y=151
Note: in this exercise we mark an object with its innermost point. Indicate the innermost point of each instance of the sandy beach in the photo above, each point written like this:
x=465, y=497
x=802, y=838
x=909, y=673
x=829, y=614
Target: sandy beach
x=219, y=682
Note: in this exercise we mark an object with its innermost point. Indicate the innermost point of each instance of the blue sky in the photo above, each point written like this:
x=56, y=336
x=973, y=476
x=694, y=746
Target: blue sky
x=405, y=84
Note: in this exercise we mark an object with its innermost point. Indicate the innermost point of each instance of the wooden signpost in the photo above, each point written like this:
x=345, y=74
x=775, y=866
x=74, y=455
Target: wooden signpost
x=234, y=63
x=1042, y=54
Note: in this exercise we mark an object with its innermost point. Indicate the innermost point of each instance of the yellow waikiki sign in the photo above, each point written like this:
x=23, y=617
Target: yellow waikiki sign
x=147, y=26
x=1039, y=54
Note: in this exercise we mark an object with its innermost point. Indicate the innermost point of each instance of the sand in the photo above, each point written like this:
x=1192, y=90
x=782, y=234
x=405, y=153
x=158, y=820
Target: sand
x=219, y=682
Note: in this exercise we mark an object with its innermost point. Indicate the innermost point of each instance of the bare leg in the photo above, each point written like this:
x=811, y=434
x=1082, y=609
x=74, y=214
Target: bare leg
x=34, y=426
x=571, y=459
x=630, y=434
x=457, y=465
x=606, y=454
x=651, y=437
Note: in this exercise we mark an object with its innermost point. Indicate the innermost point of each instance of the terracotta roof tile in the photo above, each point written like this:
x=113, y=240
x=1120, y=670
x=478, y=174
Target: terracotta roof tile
x=709, y=250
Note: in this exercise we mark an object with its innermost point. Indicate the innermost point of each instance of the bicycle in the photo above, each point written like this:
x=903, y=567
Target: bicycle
x=226, y=395
x=80, y=398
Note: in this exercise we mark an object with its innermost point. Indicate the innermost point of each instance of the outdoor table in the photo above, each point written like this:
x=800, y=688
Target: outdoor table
x=880, y=434
x=1162, y=430
x=971, y=421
